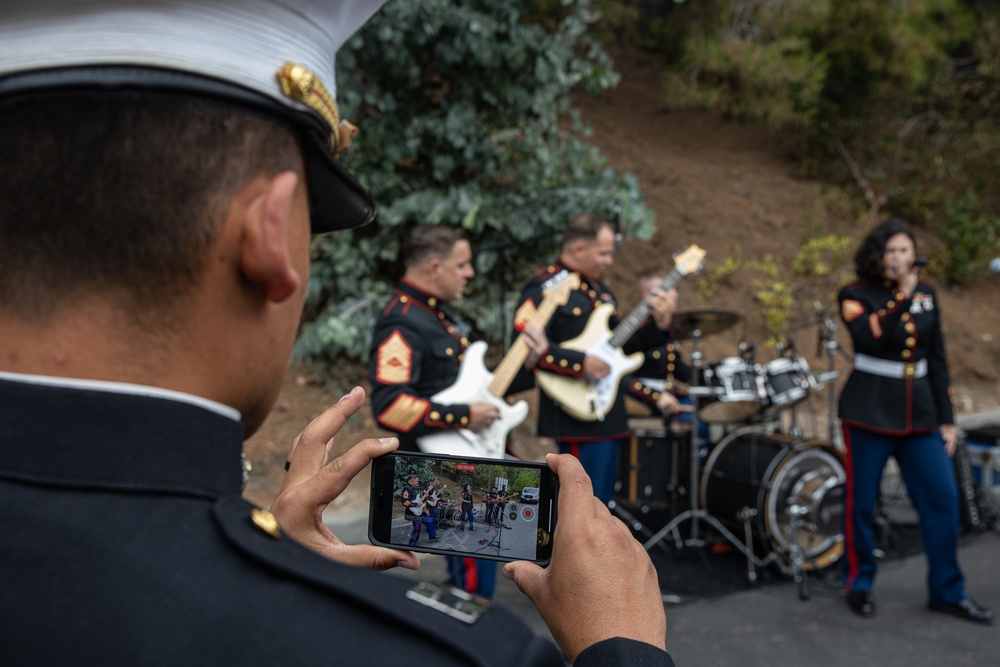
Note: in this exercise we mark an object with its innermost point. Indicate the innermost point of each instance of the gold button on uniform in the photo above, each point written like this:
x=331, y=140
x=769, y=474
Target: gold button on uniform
x=464, y=420
x=909, y=327
x=906, y=354
x=891, y=304
x=404, y=299
x=911, y=342
x=449, y=418
x=905, y=317
x=435, y=415
x=656, y=354
x=549, y=358
x=563, y=363
x=577, y=311
x=265, y=522
x=432, y=302
x=577, y=367
x=449, y=351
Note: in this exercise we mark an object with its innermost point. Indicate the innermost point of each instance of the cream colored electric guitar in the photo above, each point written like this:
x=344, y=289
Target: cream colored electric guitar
x=591, y=401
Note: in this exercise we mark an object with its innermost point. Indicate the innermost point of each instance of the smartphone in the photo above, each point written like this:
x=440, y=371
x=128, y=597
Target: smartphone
x=424, y=502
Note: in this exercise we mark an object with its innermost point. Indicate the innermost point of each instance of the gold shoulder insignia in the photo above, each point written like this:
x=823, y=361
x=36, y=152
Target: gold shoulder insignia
x=524, y=314
x=850, y=309
x=395, y=360
x=404, y=413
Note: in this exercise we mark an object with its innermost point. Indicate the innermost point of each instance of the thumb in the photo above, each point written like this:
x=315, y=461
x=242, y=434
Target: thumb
x=526, y=575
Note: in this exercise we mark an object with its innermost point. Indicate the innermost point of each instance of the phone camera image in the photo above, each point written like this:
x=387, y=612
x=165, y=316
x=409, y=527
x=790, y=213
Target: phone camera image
x=482, y=508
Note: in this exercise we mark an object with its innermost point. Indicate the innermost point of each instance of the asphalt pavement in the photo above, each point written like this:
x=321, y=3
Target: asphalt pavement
x=772, y=626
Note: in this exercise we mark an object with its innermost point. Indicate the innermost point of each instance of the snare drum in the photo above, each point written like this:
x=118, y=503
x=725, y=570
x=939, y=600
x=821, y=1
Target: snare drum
x=737, y=391
x=796, y=488
x=786, y=381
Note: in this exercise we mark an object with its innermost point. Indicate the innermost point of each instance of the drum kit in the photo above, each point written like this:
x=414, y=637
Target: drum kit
x=783, y=492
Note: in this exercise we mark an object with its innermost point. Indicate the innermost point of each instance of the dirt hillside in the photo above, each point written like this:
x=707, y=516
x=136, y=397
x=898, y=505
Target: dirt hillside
x=731, y=190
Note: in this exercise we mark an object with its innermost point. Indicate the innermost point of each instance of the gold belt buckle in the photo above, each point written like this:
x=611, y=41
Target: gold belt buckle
x=909, y=370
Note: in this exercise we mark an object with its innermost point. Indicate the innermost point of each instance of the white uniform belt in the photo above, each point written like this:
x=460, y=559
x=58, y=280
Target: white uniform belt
x=890, y=369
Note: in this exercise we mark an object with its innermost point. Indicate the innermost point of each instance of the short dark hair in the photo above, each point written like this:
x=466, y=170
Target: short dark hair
x=122, y=191
x=585, y=227
x=868, y=258
x=431, y=242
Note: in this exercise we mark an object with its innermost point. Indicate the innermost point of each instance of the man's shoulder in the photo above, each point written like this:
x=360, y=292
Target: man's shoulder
x=544, y=274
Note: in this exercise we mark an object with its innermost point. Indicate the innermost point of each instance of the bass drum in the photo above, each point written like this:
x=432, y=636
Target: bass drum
x=784, y=480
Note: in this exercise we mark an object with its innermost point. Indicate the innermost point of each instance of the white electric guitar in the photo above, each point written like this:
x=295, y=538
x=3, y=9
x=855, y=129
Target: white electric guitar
x=590, y=401
x=475, y=384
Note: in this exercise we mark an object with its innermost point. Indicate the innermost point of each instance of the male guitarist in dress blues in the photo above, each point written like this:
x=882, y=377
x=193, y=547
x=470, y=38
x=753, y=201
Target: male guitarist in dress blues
x=588, y=249
x=416, y=510
x=416, y=350
x=417, y=347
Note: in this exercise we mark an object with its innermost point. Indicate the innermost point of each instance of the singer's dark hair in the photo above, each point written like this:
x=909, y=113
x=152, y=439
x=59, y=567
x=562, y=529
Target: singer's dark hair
x=868, y=258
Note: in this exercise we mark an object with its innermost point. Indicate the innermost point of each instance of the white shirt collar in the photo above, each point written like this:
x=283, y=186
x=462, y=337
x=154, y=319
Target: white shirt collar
x=124, y=388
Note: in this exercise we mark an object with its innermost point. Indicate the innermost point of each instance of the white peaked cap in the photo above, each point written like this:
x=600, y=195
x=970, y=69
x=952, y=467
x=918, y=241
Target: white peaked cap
x=233, y=49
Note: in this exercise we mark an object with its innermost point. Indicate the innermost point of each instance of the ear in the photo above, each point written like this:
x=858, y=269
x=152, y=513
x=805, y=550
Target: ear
x=264, y=256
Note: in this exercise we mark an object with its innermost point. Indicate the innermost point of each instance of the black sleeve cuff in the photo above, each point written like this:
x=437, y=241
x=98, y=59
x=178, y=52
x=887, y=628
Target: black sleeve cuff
x=621, y=651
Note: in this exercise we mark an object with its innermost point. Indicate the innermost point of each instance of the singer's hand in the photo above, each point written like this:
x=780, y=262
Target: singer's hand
x=908, y=281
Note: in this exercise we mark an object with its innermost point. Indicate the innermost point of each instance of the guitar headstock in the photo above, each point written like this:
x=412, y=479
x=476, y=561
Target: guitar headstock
x=689, y=260
x=559, y=286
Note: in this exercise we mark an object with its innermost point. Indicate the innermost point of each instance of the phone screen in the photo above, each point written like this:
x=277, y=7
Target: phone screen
x=481, y=508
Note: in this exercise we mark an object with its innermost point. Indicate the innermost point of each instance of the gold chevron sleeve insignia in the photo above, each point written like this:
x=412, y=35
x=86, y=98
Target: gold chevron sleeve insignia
x=395, y=360
x=404, y=413
x=524, y=314
x=850, y=309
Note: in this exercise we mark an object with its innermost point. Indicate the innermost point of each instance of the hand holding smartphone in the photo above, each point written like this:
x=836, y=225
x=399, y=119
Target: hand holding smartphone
x=481, y=508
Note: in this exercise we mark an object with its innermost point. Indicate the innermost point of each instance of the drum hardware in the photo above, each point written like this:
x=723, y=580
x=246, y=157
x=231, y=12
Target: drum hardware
x=746, y=515
x=796, y=557
x=650, y=472
x=690, y=324
x=827, y=341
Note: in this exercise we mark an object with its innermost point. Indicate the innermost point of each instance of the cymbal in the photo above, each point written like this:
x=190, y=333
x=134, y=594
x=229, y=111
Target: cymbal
x=707, y=322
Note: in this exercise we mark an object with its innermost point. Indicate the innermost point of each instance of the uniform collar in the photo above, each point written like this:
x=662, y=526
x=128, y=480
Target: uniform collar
x=416, y=294
x=98, y=435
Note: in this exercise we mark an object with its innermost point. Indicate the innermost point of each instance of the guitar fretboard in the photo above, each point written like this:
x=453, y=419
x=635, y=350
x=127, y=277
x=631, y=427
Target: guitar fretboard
x=504, y=373
x=627, y=327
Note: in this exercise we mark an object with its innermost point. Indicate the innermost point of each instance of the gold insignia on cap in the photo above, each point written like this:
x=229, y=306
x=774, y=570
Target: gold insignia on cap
x=266, y=522
x=525, y=313
x=300, y=84
x=395, y=360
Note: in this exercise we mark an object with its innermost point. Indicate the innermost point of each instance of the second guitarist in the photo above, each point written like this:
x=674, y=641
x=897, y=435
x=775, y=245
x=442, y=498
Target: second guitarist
x=588, y=249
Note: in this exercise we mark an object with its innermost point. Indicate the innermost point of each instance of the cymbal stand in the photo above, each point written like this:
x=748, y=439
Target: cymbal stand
x=829, y=343
x=696, y=514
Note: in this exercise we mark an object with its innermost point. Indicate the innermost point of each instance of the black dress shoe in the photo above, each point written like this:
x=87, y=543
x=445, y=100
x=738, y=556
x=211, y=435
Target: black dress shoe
x=862, y=603
x=966, y=609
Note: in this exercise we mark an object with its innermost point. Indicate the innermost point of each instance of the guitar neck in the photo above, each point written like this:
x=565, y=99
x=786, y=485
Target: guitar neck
x=504, y=373
x=627, y=327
